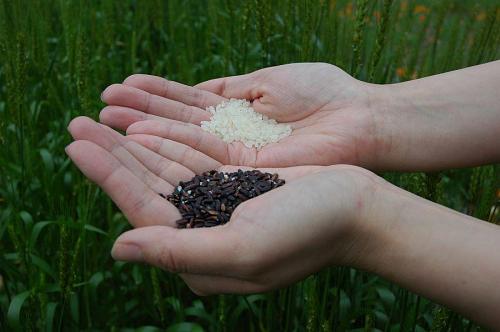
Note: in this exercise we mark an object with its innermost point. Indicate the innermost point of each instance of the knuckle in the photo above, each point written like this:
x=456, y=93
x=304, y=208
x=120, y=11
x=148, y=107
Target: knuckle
x=157, y=145
x=159, y=166
x=187, y=113
x=135, y=211
x=198, y=98
x=148, y=178
x=223, y=87
x=138, y=205
x=186, y=155
x=197, y=144
x=195, y=94
x=202, y=100
x=165, y=169
x=166, y=88
x=166, y=129
x=147, y=102
x=234, y=154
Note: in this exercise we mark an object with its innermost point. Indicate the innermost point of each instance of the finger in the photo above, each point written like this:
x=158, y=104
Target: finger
x=297, y=149
x=139, y=203
x=242, y=87
x=190, y=135
x=120, y=117
x=213, y=250
x=204, y=285
x=185, y=155
x=251, y=87
x=83, y=128
x=173, y=90
x=128, y=96
x=285, y=173
x=169, y=170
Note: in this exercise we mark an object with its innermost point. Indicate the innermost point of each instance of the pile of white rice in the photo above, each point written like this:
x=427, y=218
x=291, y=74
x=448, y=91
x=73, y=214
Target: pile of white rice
x=235, y=120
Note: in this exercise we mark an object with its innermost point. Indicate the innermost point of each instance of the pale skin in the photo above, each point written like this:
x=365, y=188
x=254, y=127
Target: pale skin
x=425, y=124
x=324, y=215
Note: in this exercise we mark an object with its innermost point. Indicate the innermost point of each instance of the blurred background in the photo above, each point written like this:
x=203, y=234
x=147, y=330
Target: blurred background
x=57, y=229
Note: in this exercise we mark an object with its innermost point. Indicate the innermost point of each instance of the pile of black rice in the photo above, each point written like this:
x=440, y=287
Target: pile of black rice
x=209, y=199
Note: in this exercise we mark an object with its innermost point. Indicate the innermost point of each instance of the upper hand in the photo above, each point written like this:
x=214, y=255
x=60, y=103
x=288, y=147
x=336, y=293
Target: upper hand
x=329, y=112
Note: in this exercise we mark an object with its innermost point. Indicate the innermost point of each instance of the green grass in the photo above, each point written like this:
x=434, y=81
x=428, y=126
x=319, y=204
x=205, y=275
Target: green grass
x=56, y=228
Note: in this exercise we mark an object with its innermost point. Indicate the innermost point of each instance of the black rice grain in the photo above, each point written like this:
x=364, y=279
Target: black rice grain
x=209, y=199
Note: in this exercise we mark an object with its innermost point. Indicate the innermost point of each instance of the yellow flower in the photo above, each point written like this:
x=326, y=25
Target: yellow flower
x=348, y=9
x=420, y=9
x=401, y=72
x=481, y=16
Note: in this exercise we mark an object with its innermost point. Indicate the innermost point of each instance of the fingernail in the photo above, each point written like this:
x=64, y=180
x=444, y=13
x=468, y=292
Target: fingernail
x=127, y=252
x=103, y=94
x=68, y=149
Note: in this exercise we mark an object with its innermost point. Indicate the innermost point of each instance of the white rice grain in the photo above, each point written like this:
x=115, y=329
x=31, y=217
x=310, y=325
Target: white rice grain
x=236, y=121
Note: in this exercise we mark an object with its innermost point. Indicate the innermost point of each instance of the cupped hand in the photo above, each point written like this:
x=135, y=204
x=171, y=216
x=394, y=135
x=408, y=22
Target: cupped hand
x=330, y=112
x=270, y=241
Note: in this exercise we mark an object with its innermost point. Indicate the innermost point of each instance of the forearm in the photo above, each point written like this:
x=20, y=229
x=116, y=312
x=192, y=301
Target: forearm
x=436, y=252
x=444, y=121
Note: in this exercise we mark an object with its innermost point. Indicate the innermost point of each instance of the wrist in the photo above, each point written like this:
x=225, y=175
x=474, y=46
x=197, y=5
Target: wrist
x=363, y=230
x=377, y=225
x=431, y=250
x=398, y=126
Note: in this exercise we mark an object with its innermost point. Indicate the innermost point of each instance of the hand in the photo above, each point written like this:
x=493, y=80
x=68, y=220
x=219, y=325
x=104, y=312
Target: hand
x=337, y=215
x=329, y=112
x=270, y=241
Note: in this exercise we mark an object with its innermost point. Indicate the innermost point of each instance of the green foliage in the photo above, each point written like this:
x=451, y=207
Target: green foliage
x=56, y=229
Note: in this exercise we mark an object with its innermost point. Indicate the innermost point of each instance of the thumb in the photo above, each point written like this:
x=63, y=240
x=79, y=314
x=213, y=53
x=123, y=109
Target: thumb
x=248, y=86
x=211, y=251
x=240, y=87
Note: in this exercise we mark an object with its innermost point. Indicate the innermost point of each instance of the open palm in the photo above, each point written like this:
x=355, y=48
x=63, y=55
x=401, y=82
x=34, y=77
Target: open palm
x=267, y=242
x=327, y=109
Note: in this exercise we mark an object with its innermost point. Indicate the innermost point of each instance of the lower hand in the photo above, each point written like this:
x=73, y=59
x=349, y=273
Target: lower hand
x=337, y=215
x=271, y=240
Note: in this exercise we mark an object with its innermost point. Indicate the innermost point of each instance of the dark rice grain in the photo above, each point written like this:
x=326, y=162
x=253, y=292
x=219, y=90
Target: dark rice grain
x=209, y=199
